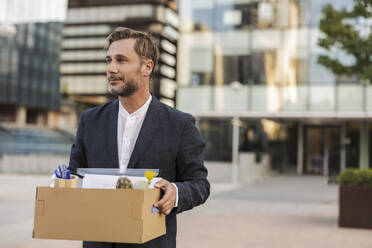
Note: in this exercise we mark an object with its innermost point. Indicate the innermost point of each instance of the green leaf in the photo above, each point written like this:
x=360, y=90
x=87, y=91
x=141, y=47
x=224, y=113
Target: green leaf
x=356, y=177
x=339, y=34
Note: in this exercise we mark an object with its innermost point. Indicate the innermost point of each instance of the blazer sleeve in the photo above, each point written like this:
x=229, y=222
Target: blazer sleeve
x=78, y=155
x=191, y=178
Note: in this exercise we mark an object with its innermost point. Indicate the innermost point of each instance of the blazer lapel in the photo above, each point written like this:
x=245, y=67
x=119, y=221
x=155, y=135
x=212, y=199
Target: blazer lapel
x=112, y=139
x=150, y=124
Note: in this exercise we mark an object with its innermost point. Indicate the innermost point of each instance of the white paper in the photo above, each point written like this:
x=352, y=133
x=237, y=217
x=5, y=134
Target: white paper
x=97, y=181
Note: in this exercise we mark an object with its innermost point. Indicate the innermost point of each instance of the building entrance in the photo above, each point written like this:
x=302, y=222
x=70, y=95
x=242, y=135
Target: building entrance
x=322, y=150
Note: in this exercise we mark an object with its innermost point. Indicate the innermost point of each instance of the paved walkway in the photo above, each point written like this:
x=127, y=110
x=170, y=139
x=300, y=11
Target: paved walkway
x=283, y=211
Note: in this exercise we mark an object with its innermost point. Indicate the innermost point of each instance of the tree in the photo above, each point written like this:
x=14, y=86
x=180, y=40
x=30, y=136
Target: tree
x=349, y=31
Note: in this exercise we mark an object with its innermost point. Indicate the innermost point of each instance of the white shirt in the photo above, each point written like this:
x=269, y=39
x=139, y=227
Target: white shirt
x=129, y=126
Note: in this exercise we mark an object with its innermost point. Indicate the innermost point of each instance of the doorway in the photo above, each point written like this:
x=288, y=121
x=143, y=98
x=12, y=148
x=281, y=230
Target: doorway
x=322, y=150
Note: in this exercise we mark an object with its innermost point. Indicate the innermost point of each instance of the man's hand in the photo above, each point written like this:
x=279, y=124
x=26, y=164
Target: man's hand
x=166, y=203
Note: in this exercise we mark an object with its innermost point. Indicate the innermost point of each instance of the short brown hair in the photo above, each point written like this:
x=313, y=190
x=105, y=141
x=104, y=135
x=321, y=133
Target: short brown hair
x=145, y=46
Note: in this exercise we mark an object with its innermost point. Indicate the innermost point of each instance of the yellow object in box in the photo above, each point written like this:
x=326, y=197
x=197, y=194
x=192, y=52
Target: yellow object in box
x=67, y=183
x=102, y=215
x=150, y=175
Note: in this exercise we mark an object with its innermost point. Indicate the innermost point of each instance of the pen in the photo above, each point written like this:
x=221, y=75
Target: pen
x=57, y=174
x=60, y=171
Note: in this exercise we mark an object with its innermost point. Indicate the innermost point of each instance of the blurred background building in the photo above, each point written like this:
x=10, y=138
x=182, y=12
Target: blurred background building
x=29, y=49
x=30, y=99
x=88, y=23
x=39, y=109
x=248, y=71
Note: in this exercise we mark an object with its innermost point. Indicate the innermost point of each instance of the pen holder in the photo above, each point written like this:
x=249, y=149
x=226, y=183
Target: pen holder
x=67, y=183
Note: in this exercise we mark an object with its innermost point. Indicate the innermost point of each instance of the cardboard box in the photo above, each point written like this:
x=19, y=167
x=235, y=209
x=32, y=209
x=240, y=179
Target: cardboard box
x=105, y=215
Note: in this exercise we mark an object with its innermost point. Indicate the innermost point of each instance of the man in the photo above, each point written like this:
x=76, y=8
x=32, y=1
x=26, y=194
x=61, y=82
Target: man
x=138, y=131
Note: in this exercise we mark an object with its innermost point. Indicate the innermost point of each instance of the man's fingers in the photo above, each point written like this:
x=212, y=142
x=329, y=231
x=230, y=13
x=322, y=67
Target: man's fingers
x=166, y=208
x=166, y=203
x=166, y=198
x=162, y=184
x=160, y=203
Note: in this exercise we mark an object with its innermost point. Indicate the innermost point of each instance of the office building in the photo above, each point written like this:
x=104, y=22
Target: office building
x=30, y=43
x=30, y=99
x=88, y=23
x=248, y=71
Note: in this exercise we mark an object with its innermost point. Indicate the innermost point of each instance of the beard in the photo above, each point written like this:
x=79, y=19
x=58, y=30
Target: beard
x=128, y=88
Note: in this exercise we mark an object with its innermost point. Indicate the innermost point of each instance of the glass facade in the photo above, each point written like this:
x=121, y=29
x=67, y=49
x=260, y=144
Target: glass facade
x=253, y=42
x=217, y=132
x=30, y=45
x=275, y=138
x=257, y=61
x=323, y=145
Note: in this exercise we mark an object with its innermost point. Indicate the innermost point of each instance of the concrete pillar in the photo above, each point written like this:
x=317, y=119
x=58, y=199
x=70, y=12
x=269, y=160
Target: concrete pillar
x=235, y=150
x=343, y=148
x=41, y=118
x=218, y=65
x=52, y=119
x=325, y=161
x=21, y=116
x=300, y=148
x=364, y=146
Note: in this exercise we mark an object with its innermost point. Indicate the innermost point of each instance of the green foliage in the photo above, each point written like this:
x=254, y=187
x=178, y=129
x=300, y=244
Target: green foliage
x=340, y=34
x=356, y=177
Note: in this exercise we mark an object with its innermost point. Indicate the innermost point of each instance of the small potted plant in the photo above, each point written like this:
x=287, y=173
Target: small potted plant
x=355, y=198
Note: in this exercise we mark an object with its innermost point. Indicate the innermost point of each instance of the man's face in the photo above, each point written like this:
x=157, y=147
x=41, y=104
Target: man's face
x=123, y=68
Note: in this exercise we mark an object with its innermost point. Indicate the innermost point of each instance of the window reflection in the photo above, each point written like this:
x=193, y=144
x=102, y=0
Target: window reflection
x=277, y=139
x=254, y=42
x=218, y=132
x=29, y=65
x=234, y=15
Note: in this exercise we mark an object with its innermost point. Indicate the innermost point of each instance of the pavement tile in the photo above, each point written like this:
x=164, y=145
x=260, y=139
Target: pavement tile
x=284, y=211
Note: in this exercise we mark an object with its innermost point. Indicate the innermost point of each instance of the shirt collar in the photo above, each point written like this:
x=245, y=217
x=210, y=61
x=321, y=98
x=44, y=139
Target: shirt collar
x=138, y=113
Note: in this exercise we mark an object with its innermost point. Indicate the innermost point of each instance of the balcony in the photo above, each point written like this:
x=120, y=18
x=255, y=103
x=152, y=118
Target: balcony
x=263, y=101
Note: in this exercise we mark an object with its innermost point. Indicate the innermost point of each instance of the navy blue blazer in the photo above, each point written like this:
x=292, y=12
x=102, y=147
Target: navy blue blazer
x=168, y=140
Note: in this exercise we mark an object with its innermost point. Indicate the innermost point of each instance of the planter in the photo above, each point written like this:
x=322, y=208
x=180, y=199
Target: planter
x=355, y=204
